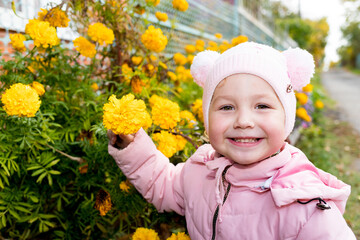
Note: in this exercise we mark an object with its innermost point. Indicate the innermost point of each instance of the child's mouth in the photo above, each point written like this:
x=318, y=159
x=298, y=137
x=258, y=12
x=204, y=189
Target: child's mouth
x=245, y=140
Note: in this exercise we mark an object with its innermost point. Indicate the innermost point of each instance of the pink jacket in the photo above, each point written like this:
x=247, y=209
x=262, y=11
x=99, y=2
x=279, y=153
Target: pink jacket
x=223, y=200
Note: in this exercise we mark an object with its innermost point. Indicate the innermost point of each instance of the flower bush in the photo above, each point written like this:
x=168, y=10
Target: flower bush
x=57, y=179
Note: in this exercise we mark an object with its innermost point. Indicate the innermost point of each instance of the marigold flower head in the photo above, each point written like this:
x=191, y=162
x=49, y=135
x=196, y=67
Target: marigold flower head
x=180, y=142
x=153, y=2
x=319, y=104
x=103, y=202
x=190, y=58
x=85, y=47
x=213, y=46
x=94, y=86
x=17, y=41
x=163, y=65
x=166, y=143
x=301, y=97
x=218, y=35
x=136, y=60
x=98, y=32
x=39, y=88
x=196, y=108
x=136, y=84
x=125, y=116
x=154, y=99
x=302, y=114
x=42, y=33
x=165, y=113
x=308, y=88
x=181, y=5
x=124, y=186
x=56, y=17
x=127, y=72
x=187, y=118
x=154, y=39
x=179, y=236
x=161, y=16
x=172, y=76
x=145, y=234
x=190, y=48
x=21, y=100
x=179, y=59
x=239, y=39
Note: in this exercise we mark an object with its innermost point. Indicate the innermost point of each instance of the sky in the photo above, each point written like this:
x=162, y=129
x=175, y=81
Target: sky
x=334, y=10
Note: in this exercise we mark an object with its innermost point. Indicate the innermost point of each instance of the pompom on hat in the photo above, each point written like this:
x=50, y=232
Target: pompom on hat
x=285, y=71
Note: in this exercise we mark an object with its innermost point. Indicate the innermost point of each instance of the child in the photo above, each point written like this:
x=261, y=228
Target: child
x=248, y=183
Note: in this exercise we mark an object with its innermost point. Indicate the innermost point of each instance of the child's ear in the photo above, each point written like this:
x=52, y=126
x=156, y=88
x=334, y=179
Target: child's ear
x=202, y=65
x=300, y=65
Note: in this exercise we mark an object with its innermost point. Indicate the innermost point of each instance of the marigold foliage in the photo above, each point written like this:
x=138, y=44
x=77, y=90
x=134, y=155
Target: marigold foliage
x=145, y=234
x=56, y=17
x=154, y=39
x=179, y=236
x=125, y=116
x=98, y=32
x=39, y=88
x=196, y=108
x=21, y=100
x=165, y=113
x=17, y=41
x=180, y=5
x=42, y=33
x=84, y=47
x=161, y=16
x=153, y=2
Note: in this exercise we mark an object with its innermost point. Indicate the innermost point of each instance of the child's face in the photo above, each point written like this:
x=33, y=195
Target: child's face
x=246, y=119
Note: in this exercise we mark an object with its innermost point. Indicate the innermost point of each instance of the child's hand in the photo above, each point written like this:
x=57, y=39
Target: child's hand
x=120, y=141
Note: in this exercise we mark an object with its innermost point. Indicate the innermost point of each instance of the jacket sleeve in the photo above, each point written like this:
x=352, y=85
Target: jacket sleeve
x=326, y=224
x=158, y=180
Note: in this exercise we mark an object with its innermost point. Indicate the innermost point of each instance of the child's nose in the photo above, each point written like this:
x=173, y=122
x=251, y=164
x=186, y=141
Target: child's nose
x=243, y=120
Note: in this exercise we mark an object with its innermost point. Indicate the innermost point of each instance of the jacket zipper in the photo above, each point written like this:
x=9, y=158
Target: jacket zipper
x=216, y=213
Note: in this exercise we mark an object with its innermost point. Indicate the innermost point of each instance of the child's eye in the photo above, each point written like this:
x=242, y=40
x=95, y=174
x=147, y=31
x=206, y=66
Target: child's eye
x=227, y=108
x=262, y=106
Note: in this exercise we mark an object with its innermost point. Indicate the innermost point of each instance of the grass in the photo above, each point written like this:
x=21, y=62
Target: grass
x=333, y=145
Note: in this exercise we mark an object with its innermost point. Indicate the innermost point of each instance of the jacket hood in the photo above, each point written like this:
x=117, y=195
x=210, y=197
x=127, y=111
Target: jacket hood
x=289, y=176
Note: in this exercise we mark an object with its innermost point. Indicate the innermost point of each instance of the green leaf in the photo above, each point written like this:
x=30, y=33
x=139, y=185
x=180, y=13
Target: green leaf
x=33, y=167
x=3, y=221
x=52, y=163
x=41, y=177
x=54, y=172
x=14, y=214
x=22, y=209
x=34, y=199
x=38, y=172
x=50, y=179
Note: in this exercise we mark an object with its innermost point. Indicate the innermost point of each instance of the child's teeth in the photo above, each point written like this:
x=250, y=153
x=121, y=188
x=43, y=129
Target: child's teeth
x=245, y=140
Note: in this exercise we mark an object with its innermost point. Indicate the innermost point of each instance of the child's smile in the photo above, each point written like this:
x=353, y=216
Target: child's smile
x=246, y=119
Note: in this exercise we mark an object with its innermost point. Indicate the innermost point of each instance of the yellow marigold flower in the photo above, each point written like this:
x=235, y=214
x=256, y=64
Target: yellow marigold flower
x=200, y=44
x=308, y=88
x=136, y=60
x=302, y=113
x=21, y=100
x=213, y=46
x=153, y=2
x=225, y=45
x=161, y=16
x=145, y=234
x=190, y=58
x=125, y=116
x=56, y=17
x=172, y=76
x=319, y=104
x=190, y=48
x=179, y=59
x=166, y=143
x=302, y=98
x=196, y=108
x=127, y=71
x=39, y=88
x=17, y=41
x=218, y=35
x=42, y=33
x=165, y=113
x=154, y=39
x=98, y=32
x=153, y=58
x=154, y=99
x=179, y=236
x=95, y=86
x=239, y=39
x=181, y=5
x=181, y=142
x=187, y=118
x=124, y=186
x=103, y=202
x=163, y=65
x=136, y=84
x=84, y=47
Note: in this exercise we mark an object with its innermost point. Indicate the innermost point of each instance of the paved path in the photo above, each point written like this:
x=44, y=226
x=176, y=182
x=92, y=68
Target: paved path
x=344, y=88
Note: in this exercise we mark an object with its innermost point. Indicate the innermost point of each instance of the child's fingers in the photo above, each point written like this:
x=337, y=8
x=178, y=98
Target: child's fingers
x=111, y=136
x=121, y=141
